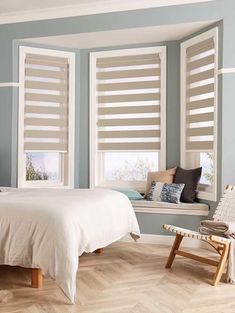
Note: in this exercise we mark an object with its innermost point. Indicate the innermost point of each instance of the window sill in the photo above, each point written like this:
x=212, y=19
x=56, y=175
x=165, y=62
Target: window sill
x=37, y=186
x=197, y=209
x=138, y=186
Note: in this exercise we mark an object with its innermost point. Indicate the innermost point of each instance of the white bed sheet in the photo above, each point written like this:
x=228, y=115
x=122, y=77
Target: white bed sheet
x=51, y=228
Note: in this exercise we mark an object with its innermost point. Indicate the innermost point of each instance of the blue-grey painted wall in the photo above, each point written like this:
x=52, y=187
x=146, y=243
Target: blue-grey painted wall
x=215, y=10
x=6, y=102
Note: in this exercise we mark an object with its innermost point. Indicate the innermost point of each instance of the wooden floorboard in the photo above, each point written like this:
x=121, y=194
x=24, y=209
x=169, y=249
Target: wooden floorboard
x=125, y=278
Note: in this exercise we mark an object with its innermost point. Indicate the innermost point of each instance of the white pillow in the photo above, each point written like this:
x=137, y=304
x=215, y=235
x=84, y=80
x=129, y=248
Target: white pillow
x=155, y=191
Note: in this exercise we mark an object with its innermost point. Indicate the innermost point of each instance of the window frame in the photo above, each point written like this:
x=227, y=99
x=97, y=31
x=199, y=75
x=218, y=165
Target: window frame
x=66, y=159
x=96, y=161
x=205, y=192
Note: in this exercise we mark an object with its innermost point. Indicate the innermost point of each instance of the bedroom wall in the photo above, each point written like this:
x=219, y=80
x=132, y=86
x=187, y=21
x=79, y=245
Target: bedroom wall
x=215, y=10
x=5, y=134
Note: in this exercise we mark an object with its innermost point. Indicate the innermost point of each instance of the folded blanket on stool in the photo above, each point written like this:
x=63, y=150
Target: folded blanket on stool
x=222, y=229
x=216, y=228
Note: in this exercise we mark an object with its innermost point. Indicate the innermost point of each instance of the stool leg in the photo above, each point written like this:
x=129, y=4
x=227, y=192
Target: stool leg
x=221, y=265
x=176, y=244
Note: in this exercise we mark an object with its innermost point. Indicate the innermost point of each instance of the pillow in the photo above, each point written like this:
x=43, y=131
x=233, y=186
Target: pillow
x=172, y=192
x=165, y=192
x=191, y=179
x=130, y=193
x=155, y=191
x=161, y=176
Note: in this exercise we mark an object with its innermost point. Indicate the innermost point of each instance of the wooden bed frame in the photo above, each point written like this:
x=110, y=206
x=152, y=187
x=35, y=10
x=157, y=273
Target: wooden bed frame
x=37, y=278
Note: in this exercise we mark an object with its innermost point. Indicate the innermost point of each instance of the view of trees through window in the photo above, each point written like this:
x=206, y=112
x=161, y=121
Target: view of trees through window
x=133, y=171
x=132, y=166
x=42, y=166
x=206, y=161
x=32, y=172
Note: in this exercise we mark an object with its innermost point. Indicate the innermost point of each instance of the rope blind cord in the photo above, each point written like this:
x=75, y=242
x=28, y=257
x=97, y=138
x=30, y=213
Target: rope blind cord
x=46, y=103
x=200, y=95
x=128, y=99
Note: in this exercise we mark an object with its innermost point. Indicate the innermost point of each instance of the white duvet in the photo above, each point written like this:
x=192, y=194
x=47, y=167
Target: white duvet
x=51, y=228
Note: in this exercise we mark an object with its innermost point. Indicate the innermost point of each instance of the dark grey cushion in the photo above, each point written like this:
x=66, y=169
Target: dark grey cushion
x=191, y=179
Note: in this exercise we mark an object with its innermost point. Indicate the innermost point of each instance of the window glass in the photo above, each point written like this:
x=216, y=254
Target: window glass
x=42, y=166
x=129, y=166
x=206, y=161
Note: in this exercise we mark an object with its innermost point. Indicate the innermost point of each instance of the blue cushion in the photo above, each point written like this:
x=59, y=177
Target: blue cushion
x=130, y=193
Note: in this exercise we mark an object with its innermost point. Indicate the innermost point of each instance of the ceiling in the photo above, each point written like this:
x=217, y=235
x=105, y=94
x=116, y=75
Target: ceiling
x=12, y=11
x=7, y=6
x=123, y=37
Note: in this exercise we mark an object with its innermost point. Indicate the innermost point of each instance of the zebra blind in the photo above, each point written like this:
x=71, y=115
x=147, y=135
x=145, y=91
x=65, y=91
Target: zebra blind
x=200, y=95
x=46, y=103
x=128, y=89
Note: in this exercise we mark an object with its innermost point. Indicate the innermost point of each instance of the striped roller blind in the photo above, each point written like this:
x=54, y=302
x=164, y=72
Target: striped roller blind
x=200, y=95
x=128, y=98
x=46, y=103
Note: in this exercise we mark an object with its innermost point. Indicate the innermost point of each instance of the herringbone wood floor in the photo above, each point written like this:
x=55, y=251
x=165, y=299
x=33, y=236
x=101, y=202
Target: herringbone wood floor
x=125, y=278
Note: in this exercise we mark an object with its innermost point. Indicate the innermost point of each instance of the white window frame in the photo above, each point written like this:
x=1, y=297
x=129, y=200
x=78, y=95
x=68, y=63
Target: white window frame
x=69, y=170
x=209, y=193
x=95, y=161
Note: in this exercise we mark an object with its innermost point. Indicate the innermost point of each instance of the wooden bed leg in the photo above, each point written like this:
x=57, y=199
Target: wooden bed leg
x=176, y=244
x=98, y=251
x=221, y=265
x=36, y=278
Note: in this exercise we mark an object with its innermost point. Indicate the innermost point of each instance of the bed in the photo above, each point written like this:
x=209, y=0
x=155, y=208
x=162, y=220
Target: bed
x=49, y=229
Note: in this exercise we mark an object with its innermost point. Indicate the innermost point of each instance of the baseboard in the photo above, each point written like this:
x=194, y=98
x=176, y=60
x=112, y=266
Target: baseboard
x=166, y=240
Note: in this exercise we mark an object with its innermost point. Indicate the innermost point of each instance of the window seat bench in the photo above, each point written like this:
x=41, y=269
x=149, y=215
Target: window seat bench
x=144, y=206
